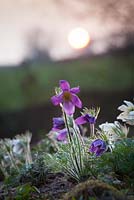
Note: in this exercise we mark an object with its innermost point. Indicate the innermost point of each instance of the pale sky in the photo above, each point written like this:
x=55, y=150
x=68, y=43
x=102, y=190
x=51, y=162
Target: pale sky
x=52, y=20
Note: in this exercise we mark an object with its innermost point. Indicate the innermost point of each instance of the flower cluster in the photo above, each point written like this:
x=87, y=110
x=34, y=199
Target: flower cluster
x=66, y=97
x=108, y=134
x=76, y=154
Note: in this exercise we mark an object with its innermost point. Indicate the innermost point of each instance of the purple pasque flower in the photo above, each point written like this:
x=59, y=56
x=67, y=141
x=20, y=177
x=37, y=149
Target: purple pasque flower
x=98, y=147
x=67, y=97
x=62, y=135
x=87, y=118
x=59, y=129
x=58, y=123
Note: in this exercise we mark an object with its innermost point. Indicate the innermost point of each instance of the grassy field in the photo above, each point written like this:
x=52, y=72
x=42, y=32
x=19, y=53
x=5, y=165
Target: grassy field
x=29, y=85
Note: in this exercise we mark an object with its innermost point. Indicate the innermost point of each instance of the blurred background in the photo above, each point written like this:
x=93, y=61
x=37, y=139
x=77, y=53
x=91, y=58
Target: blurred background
x=89, y=43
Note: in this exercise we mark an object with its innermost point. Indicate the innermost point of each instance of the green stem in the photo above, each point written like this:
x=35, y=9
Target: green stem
x=72, y=152
x=67, y=126
x=29, y=157
x=78, y=133
x=71, y=173
x=79, y=149
x=91, y=169
x=92, y=130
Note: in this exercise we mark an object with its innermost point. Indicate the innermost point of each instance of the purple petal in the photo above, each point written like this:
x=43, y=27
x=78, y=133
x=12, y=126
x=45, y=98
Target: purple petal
x=103, y=146
x=55, y=129
x=97, y=142
x=62, y=135
x=81, y=120
x=58, y=123
x=69, y=108
x=56, y=100
x=98, y=147
x=75, y=90
x=64, y=85
x=99, y=152
x=92, y=149
x=90, y=119
x=76, y=101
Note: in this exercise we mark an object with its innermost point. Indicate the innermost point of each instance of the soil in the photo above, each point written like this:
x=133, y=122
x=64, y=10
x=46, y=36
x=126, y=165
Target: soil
x=56, y=185
x=53, y=188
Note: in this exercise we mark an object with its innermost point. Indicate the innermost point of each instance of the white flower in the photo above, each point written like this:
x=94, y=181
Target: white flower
x=114, y=131
x=127, y=114
x=17, y=146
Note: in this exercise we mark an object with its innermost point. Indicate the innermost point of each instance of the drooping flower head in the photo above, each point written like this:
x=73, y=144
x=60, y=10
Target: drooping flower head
x=127, y=114
x=67, y=97
x=98, y=147
x=88, y=116
x=58, y=132
x=62, y=135
x=58, y=123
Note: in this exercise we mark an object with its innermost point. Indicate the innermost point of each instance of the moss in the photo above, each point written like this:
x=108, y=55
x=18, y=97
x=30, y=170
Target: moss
x=94, y=189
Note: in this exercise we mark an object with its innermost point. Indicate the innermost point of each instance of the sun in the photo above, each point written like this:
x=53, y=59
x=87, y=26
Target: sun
x=78, y=38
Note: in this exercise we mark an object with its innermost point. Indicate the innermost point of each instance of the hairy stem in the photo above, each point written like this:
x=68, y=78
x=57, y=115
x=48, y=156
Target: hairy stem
x=73, y=152
x=92, y=130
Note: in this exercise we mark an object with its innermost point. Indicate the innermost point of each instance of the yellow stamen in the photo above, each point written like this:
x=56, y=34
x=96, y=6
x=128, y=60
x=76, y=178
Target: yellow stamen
x=67, y=96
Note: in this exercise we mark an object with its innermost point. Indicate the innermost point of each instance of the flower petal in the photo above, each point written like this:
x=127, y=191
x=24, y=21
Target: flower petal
x=76, y=101
x=122, y=108
x=98, y=147
x=99, y=152
x=122, y=117
x=62, y=134
x=92, y=149
x=58, y=123
x=75, y=90
x=91, y=119
x=131, y=113
x=69, y=108
x=81, y=120
x=64, y=85
x=56, y=100
x=97, y=143
x=129, y=104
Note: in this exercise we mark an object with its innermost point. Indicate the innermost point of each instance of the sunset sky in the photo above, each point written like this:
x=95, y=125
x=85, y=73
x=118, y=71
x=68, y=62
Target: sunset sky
x=48, y=24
